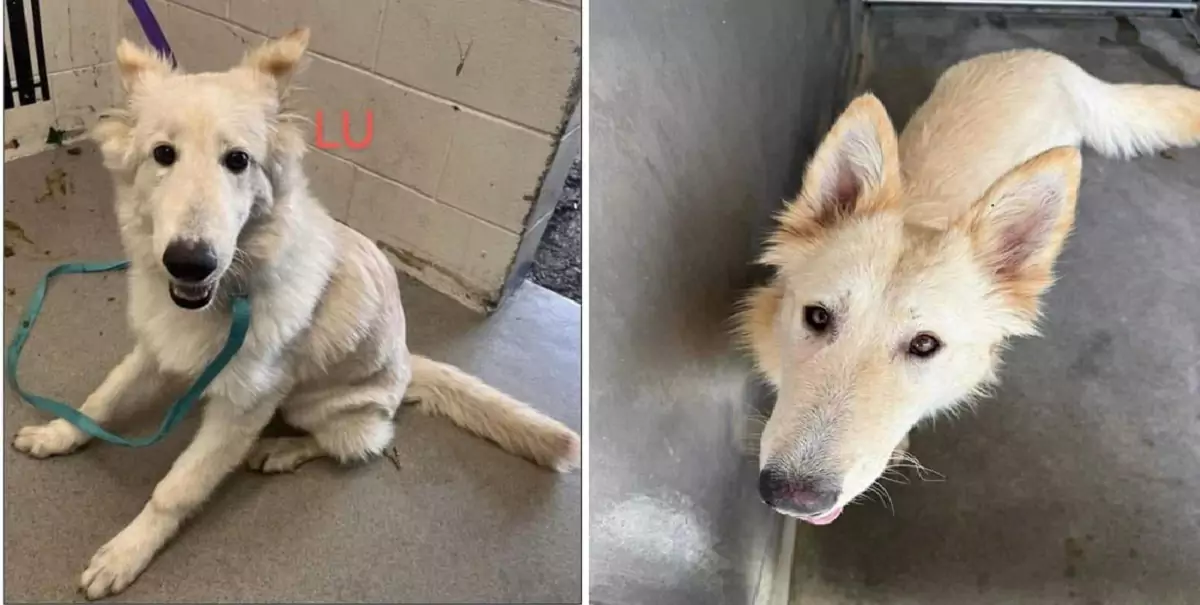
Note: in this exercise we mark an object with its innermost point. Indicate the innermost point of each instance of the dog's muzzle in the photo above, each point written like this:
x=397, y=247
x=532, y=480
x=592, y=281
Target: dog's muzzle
x=810, y=498
x=192, y=296
x=193, y=266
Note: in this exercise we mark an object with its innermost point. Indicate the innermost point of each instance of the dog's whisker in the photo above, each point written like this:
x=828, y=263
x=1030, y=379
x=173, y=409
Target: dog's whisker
x=874, y=491
x=866, y=496
x=885, y=497
x=894, y=476
x=923, y=472
x=937, y=478
x=922, y=469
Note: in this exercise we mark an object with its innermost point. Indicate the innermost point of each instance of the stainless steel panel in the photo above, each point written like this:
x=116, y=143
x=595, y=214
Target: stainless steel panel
x=702, y=114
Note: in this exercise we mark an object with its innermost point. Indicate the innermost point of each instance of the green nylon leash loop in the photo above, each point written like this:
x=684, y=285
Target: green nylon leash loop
x=179, y=409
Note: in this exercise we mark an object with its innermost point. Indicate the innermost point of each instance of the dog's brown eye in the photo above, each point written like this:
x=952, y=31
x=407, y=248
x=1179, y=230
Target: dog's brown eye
x=236, y=161
x=164, y=155
x=817, y=318
x=924, y=345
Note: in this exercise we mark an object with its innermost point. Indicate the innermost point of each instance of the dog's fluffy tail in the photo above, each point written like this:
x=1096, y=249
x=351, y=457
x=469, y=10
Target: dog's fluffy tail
x=444, y=390
x=1126, y=120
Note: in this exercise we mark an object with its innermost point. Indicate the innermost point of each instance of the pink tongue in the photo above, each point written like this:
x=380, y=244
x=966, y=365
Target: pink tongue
x=826, y=518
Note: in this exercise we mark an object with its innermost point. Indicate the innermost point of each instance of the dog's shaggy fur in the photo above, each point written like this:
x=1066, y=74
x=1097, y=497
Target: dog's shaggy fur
x=905, y=263
x=326, y=346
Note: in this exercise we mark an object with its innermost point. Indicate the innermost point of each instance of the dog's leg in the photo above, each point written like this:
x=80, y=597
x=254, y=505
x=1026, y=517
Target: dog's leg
x=348, y=424
x=135, y=381
x=351, y=437
x=283, y=454
x=225, y=436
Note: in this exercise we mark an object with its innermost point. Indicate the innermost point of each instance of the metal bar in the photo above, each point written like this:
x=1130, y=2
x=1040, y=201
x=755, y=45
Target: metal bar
x=1092, y=4
x=40, y=48
x=22, y=62
x=8, y=88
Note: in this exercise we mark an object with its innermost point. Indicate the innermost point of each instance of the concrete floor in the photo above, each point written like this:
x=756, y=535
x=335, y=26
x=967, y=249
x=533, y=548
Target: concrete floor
x=1077, y=482
x=459, y=520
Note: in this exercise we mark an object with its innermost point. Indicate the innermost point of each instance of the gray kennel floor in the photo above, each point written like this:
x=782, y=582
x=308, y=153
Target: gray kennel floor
x=455, y=519
x=1078, y=481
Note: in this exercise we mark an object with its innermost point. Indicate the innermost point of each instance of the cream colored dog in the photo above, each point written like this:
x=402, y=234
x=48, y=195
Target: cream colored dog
x=212, y=200
x=904, y=265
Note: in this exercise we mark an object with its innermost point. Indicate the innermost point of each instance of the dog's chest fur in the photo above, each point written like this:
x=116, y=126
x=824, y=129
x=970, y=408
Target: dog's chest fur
x=325, y=301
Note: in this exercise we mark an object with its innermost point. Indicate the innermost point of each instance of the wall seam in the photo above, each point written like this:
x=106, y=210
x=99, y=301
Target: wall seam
x=81, y=67
x=428, y=197
x=181, y=5
x=379, y=35
x=437, y=186
x=557, y=4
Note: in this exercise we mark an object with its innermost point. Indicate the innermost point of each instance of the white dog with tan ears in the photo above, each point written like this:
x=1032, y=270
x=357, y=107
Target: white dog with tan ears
x=905, y=263
x=212, y=202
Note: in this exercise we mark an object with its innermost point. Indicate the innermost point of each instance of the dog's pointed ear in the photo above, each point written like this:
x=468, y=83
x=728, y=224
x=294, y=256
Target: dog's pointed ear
x=137, y=64
x=1020, y=225
x=280, y=58
x=855, y=170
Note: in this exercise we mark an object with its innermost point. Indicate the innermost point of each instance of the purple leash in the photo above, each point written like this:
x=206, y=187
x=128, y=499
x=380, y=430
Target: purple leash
x=152, y=30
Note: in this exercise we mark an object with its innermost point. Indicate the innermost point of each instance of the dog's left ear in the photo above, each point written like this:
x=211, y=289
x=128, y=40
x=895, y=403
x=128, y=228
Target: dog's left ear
x=279, y=59
x=1020, y=225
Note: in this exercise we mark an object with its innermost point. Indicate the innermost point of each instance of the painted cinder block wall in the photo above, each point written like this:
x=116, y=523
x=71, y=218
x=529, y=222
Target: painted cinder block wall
x=473, y=106
x=80, y=38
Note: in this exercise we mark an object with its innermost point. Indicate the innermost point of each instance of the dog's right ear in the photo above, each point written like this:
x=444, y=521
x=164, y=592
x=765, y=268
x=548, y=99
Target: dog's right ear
x=279, y=59
x=856, y=170
x=137, y=64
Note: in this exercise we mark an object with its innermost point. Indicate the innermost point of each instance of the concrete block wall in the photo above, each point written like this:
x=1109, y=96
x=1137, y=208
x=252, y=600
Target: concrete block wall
x=470, y=100
x=80, y=38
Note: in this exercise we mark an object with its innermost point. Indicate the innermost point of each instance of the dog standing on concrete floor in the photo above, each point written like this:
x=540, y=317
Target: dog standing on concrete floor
x=904, y=265
x=212, y=200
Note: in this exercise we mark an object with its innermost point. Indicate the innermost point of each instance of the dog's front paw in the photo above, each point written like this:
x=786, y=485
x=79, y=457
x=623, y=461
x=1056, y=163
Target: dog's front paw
x=52, y=439
x=116, y=565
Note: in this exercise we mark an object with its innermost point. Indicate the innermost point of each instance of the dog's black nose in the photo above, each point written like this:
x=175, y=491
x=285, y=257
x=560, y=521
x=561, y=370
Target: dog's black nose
x=795, y=493
x=190, y=260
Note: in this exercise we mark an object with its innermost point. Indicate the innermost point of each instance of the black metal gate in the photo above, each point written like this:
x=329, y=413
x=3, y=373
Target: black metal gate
x=24, y=54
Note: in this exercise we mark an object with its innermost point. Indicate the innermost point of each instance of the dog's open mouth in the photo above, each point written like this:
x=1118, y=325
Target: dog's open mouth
x=190, y=296
x=824, y=518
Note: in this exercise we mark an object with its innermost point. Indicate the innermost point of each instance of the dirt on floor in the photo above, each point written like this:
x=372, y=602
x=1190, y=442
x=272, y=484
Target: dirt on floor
x=558, y=263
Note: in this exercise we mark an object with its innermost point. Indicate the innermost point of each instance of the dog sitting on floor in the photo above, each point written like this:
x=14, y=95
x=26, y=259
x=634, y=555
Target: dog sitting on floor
x=906, y=263
x=212, y=201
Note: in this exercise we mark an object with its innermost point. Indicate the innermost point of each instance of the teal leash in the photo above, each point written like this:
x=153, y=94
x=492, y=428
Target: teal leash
x=178, y=410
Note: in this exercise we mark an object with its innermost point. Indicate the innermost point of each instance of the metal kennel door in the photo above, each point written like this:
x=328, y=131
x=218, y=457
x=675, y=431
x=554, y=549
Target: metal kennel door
x=25, y=79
